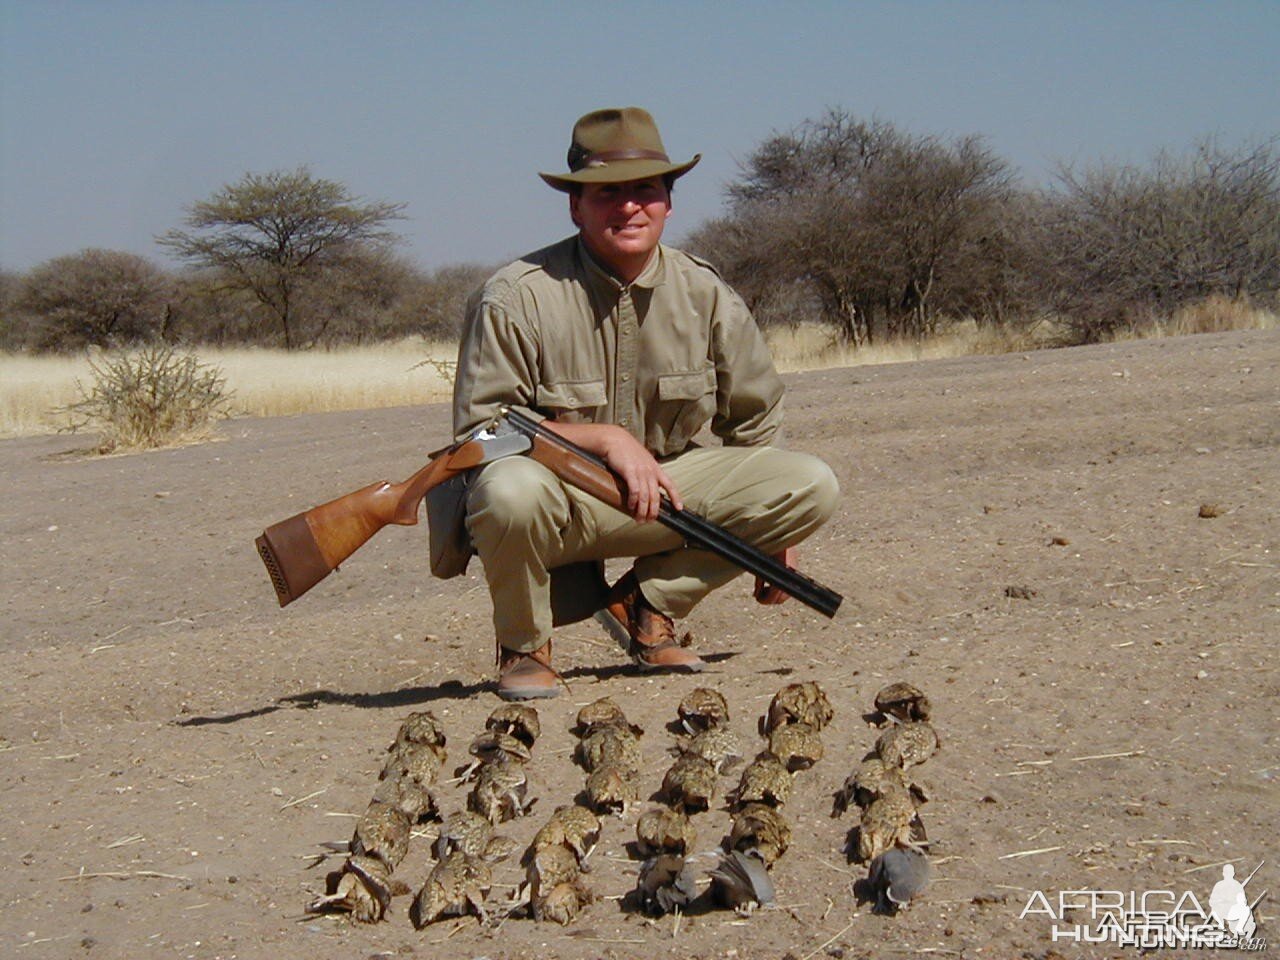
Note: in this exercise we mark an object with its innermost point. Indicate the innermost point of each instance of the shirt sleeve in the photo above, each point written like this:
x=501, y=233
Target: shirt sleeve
x=497, y=365
x=748, y=388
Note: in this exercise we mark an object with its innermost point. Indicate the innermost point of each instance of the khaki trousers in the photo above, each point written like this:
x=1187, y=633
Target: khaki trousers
x=525, y=523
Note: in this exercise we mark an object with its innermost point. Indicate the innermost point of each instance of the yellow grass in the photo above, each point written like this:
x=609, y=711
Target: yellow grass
x=269, y=383
x=265, y=383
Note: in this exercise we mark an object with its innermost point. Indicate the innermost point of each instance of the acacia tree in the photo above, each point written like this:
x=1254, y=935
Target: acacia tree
x=270, y=234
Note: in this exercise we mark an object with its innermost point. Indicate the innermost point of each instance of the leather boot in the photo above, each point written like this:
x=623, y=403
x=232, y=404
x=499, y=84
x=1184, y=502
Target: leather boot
x=527, y=676
x=652, y=635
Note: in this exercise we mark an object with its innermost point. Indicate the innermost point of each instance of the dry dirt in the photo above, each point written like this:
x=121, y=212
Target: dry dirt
x=175, y=747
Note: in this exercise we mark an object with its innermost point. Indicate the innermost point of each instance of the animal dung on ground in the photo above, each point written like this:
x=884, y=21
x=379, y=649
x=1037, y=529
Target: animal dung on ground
x=701, y=709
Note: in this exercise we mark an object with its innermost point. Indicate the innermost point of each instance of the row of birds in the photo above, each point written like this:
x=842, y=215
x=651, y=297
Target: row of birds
x=759, y=834
x=890, y=833
x=466, y=844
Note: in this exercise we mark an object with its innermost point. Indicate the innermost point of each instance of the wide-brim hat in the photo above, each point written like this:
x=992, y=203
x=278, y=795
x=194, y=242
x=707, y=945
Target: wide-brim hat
x=614, y=146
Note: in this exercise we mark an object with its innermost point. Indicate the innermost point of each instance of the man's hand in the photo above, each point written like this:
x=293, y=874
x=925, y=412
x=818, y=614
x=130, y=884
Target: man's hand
x=642, y=475
x=766, y=592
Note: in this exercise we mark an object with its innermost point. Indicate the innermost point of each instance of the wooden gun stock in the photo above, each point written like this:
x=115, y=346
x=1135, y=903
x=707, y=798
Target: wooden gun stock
x=306, y=548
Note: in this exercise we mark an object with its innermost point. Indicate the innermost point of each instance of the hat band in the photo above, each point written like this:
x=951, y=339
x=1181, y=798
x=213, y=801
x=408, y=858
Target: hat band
x=606, y=157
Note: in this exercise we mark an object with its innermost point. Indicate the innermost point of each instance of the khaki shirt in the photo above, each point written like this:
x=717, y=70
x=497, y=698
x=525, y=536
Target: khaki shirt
x=555, y=334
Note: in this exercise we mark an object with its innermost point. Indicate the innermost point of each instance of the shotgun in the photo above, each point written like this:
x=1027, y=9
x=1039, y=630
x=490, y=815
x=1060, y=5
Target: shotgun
x=306, y=548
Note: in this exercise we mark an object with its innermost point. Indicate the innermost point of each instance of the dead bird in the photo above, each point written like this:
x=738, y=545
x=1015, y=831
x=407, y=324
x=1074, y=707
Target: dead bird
x=465, y=831
x=667, y=883
x=548, y=866
x=903, y=703
x=500, y=792
x=493, y=746
x=765, y=780
x=603, y=713
x=414, y=762
x=574, y=827
x=362, y=888
x=562, y=903
x=423, y=730
x=907, y=744
x=612, y=744
x=898, y=876
x=382, y=832
x=458, y=885
x=717, y=745
x=760, y=827
x=741, y=881
x=611, y=789
x=416, y=800
x=701, y=709
x=663, y=830
x=799, y=703
x=517, y=719
x=868, y=782
x=887, y=823
x=798, y=745
x=690, y=784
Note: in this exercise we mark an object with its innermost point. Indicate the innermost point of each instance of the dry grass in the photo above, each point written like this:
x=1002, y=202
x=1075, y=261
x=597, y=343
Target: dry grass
x=810, y=346
x=263, y=383
x=268, y=383
x=1215, y=314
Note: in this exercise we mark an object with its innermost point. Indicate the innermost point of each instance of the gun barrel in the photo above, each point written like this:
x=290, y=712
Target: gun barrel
x=698, y=529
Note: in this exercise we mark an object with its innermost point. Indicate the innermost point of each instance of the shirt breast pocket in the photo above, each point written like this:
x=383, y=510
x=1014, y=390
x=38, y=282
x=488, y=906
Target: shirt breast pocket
x=686, y=402
x=572, y=401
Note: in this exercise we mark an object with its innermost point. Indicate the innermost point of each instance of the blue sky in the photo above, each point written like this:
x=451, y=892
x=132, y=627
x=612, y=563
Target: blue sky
x=114, y=116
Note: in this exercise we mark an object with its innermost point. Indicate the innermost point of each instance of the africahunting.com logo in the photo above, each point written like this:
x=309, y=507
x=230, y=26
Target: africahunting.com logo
x=1154, y=919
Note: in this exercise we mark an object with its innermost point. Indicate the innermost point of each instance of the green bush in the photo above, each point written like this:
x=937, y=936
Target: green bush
x=150, y=398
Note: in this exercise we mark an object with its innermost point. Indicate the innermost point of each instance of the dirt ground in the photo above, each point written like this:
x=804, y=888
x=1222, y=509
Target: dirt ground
x=175, y=747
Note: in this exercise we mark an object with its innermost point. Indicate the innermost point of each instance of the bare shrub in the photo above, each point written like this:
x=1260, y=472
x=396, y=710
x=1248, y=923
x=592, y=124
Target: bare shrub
x=1123, y=248
x=151, y=398
x=876, y=231
x=103, y=298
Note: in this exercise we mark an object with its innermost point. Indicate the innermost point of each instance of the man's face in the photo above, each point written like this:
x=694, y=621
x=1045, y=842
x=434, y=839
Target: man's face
x=621, y=223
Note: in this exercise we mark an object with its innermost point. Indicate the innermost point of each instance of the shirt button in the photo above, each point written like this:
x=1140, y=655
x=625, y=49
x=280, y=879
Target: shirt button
x=625, y=422
x=626, y=377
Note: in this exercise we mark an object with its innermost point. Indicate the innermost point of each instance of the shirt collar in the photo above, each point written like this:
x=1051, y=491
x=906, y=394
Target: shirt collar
x=653, y=275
